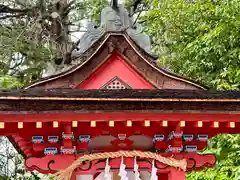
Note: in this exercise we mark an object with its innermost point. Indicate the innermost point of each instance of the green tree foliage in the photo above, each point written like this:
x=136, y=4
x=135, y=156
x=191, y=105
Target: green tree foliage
x=88, y=10
x=226, y=149
x=22, y=57
x=200, y=39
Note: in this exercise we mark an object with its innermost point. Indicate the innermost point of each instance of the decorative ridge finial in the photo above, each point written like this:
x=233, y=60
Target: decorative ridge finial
x=115, y=18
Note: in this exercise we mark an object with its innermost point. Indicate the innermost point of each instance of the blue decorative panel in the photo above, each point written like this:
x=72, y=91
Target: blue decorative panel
x=202, y=137
x=50, y=151
x=174, y=149
x=188, y=137
x=190, y=148
x=158, y=137
x=53, y=139
x=84, y=138
x=37, y=139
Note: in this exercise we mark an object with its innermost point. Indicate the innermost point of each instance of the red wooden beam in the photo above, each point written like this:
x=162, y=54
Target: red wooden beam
x=86, y=117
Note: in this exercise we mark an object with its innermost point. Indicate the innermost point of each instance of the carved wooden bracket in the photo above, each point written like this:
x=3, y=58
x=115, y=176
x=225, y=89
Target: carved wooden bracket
x=54, y=163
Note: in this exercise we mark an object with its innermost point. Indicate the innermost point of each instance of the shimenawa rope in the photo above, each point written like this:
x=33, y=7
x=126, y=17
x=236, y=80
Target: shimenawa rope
x=67, y=173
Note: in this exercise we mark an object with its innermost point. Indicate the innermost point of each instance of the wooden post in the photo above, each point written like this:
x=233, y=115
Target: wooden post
x=115, y=176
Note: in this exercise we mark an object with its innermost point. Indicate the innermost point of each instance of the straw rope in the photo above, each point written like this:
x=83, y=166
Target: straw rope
x=67, y=173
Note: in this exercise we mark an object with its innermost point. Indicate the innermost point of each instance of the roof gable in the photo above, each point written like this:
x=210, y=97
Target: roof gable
x=98, y=54
x=115, y=67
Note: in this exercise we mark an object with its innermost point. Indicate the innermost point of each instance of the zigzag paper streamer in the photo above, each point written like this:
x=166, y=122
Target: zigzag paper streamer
x=154, y=172
x=136, y=173
x=122, y=171
x=107, y=174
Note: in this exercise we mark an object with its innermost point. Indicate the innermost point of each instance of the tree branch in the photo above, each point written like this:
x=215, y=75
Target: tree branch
x=6, y=9
x=12, y=15
x=135, y=4
x=69, y=6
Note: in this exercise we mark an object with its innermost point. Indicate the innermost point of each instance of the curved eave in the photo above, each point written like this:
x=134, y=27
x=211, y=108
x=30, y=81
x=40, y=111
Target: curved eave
x=136, y=48
x=16, y=146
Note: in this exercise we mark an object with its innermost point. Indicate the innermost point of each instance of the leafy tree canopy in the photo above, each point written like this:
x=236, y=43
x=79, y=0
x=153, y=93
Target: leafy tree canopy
x=199, y=39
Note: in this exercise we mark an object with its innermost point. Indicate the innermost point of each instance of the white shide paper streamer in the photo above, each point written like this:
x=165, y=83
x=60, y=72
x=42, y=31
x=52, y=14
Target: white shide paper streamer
x=122, y=171
x=107, y=173
x=154, y=172
x=136, y=173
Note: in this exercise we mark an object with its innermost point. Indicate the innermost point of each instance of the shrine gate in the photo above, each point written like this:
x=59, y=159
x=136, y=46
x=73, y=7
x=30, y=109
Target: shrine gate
x=114, y=113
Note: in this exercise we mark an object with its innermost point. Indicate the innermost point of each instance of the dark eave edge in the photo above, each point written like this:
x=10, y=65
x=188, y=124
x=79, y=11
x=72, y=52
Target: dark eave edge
x=117, y=99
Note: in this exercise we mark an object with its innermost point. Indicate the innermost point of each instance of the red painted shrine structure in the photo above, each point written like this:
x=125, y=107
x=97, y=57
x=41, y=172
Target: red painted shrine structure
x=116, y=98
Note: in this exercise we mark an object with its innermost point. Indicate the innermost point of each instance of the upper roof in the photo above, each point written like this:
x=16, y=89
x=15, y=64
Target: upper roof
x=122, y=44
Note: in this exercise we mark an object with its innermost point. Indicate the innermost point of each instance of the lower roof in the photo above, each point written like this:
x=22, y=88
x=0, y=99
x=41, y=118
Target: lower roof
x=126, y=94
x=130, y=100
x=119, y=42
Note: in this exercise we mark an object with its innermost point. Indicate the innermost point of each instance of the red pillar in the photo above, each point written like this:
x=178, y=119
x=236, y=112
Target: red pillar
x=175, y=174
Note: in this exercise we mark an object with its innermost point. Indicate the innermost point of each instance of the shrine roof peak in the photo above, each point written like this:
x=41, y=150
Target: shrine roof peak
x=121, y=43
x=115, y=19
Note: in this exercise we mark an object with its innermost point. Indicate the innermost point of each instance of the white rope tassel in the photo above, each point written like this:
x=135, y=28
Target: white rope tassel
x=136, y=173
x=154, y=172
x=107, y=174
x=122, y=171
